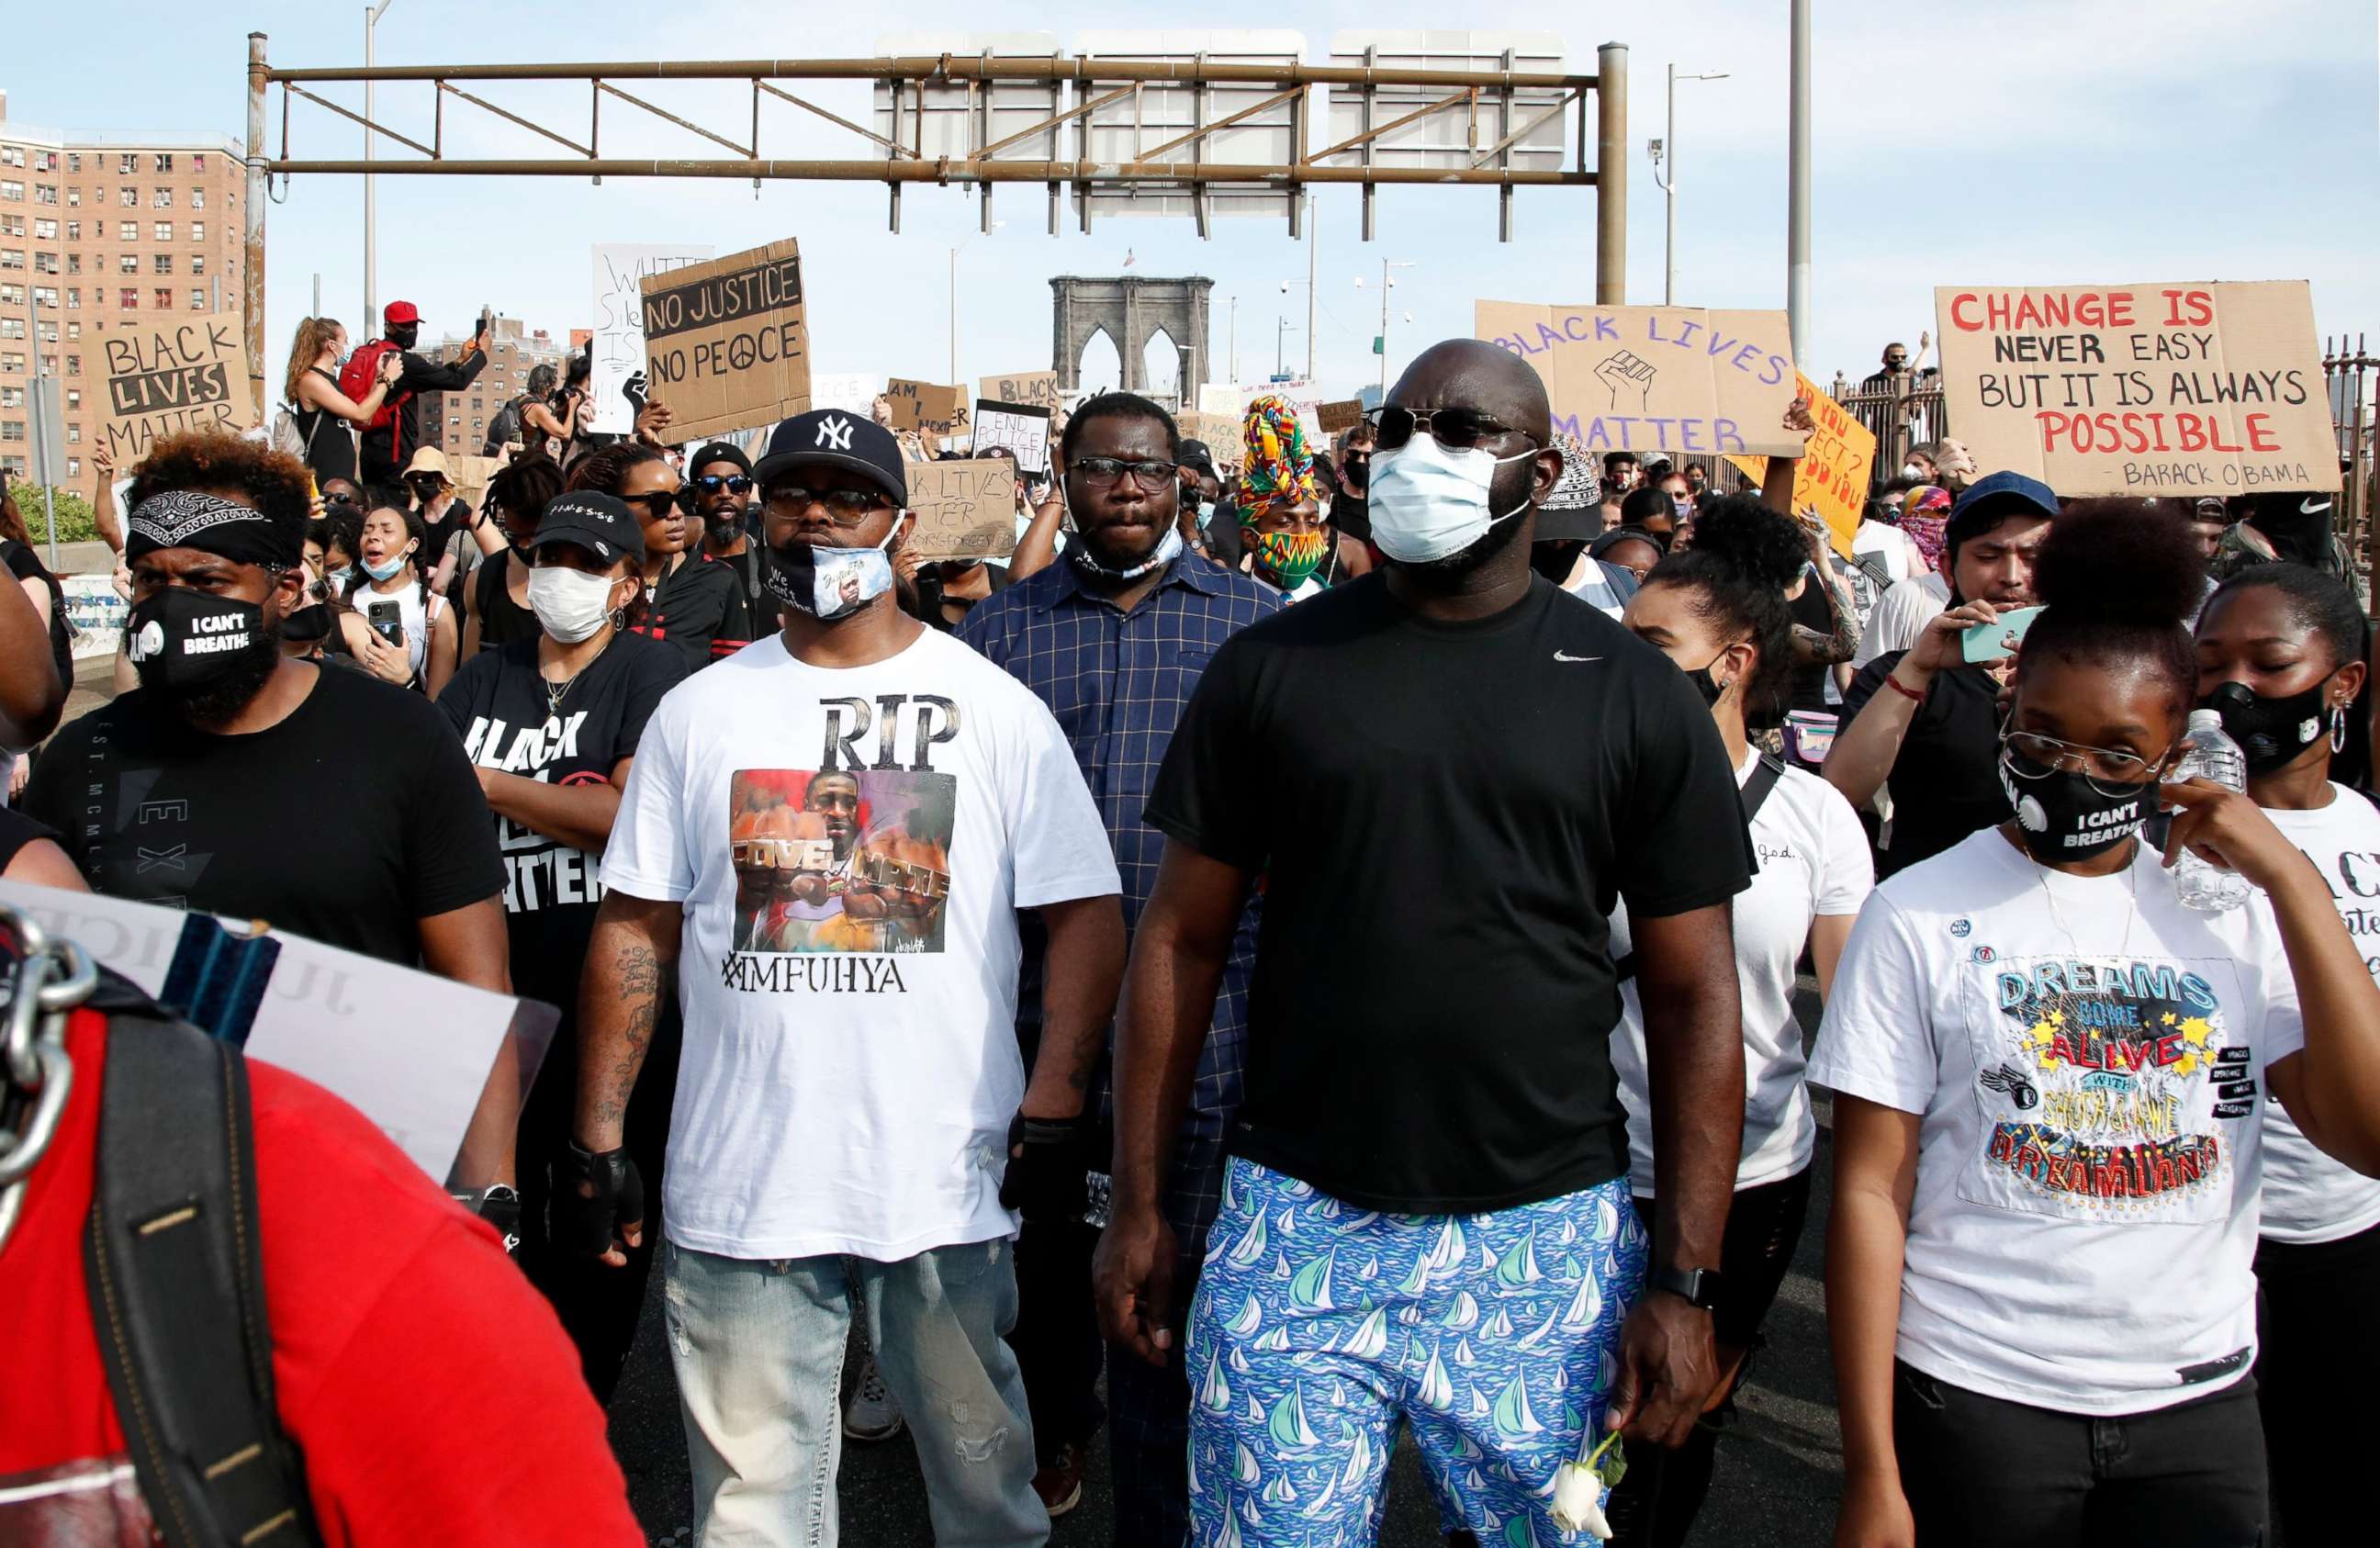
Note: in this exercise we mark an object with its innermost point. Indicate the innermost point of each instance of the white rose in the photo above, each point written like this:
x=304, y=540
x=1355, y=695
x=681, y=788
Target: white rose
x=1578, y=1501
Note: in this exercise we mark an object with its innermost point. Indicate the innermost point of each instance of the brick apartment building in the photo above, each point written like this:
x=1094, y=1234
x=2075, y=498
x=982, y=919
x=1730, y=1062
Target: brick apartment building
x=456, y=423
x=101, y=228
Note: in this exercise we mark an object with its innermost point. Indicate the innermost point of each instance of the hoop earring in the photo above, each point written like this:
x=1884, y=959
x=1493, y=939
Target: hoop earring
x=2338, y=728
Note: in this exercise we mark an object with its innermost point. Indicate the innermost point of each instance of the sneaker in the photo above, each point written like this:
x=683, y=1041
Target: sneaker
x=1061, y=1484
x=873, y=1413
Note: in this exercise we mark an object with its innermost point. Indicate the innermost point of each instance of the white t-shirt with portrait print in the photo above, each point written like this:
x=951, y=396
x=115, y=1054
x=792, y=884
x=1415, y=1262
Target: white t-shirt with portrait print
x=2087, y=1059
x=2308, y=1196
x=851, y=847
x=1814, y=860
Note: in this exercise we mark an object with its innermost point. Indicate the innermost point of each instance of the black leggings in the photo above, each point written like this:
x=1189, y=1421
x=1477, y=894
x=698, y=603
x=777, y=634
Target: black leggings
x=1661, y=1493
x=2318, y=1359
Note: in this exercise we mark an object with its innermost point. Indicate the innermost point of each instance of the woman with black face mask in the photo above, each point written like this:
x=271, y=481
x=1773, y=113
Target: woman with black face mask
x=2051, y=1085
x=2281, y=657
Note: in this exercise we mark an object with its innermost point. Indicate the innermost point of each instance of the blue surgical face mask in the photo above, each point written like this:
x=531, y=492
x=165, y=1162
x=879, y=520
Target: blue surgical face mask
x=1429, y=501
x=388, y=569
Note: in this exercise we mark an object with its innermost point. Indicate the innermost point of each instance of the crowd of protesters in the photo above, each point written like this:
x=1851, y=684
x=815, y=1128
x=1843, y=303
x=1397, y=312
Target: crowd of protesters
x=1259, y=952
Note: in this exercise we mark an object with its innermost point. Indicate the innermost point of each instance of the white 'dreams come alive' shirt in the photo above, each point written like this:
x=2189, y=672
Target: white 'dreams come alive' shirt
x=2091, y=1092
x=1814, y=860
x=851, y=847
x=2308, y=1196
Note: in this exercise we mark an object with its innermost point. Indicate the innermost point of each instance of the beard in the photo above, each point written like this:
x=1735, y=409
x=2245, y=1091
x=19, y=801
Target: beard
x=239, y=678
x=1509, y=490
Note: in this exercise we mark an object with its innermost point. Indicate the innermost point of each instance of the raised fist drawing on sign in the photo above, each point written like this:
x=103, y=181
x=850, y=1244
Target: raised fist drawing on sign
x=1626, y=374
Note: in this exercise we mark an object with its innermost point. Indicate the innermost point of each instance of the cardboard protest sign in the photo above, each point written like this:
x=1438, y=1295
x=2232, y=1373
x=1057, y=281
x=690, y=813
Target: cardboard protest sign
x=1220, y=432
x=2190, y=389
x=852, y=392
x=1034, y=389
x=469, y=476
x=1222, y=397
x=926, y=406
x=1833, y=476
x=621, y=269
x=726, y=344
x=1673, y=379
x=1021, y=427
x=1344, y=414
x=164, y=377
x=966, y=508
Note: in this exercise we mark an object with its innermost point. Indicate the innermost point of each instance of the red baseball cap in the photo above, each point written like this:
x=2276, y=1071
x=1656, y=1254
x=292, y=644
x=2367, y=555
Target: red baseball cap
x=402, y=312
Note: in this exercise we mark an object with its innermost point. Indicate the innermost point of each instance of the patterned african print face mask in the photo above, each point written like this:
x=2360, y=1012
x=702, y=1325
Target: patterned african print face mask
x=1290, y=556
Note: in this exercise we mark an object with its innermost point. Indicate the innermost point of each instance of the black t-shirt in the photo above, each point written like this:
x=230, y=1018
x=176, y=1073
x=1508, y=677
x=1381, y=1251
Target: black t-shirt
x=501, y=620
x=1352, y=514
x=25, y=565
x=1946, y=781
x=330, y=442
x=1444, y=814
x=497, y=705
x=350, y=821
x=698, y=606
x=1811, y=611
x=762, y=613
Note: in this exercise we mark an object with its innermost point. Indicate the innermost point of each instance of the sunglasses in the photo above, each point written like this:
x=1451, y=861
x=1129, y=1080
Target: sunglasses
x=338, y=500
x=660, y=505
x=731, y=483
x=1454, y=428
x=1150, y=476
x=843, y=507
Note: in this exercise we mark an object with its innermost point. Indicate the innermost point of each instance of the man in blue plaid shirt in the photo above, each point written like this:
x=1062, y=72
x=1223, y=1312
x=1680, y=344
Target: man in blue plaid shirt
x=1112, y=637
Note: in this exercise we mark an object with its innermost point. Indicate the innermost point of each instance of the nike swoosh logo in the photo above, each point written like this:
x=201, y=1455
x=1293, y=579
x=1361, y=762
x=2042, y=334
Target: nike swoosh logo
x=2314, y=505
x=1559, y=657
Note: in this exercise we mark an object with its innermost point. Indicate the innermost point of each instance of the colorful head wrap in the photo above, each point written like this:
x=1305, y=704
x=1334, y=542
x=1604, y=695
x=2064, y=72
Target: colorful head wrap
x=1924, y=512
x=1280, y=468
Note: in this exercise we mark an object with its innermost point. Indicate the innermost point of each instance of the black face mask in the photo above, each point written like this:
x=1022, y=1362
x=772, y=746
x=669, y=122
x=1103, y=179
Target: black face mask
x=308, y=623
x=2064, y=816
x=1700, y=677
x=2271, y=732
x=203, y=657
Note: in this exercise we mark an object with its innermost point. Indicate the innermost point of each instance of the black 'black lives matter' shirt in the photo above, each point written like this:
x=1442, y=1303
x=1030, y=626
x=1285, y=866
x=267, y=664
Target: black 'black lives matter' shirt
x=497, y=704
x=349, y=823
x=1445, y=813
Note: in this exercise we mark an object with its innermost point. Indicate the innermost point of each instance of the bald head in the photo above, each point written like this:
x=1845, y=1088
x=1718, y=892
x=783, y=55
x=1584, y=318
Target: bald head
x=1472, y=373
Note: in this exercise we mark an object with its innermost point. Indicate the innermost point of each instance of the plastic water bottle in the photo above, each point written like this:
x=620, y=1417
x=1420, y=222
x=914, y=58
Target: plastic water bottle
x=2215, y=757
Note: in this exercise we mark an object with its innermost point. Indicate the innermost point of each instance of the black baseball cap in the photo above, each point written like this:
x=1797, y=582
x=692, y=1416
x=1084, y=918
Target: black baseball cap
x=717, y=451
x=1198, y=458
x=835, y=438
x=597, y=522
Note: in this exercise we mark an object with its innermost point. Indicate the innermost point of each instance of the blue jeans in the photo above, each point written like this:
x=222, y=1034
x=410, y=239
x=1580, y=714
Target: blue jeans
x=757, y=1347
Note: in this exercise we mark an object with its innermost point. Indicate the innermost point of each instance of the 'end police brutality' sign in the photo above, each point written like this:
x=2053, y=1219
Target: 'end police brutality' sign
x=1672, y=380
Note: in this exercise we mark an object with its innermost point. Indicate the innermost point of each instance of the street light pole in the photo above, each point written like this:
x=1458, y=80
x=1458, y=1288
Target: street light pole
x=1666, y=151
x=1280, y=338
x=1313, y=251
x=372, y=315
x=1387, y=285
x=1797, y=196
x=1235, y=339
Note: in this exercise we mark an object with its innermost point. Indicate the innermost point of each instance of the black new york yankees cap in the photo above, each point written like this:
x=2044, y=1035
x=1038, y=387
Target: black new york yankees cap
x=835, y=438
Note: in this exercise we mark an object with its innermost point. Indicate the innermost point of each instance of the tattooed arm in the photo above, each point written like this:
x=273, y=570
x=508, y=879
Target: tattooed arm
x=1840, y=640
x=1081, y=971
x=629, y=959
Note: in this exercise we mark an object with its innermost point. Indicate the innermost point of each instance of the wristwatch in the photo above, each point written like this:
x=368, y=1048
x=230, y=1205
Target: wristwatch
x=1698, y=1285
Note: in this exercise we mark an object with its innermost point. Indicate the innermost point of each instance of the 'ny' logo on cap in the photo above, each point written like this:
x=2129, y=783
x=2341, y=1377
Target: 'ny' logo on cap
x=835, y=432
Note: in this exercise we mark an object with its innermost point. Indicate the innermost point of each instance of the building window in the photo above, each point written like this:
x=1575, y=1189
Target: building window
x=15, y=465
x=160, y=199
x=74, y=301
x=74, y=330
x=164, y=232
x=47, y=230
x=74, y=199
x=46, y=295
x=164, y=160
x=164, y=298
x=74, y=231
x=12, y=156
x=129, y=196
x=74, y=161
x=74, y=465
x=127, y=231
x=74, y=397
x=12, y=430
x=128, y=263
x=15, y=191
x=197, y=199
x=74, y=438
x=198, y=263
x=45, y=263
x=128, y=299
x=12, y=295
x=45, y=193
x=12, y=362
x=12, y=225
x=164, y=263
x=127, y=164
x=45, y=161
x=198, y=161
x=12, y=328
x=74, y=365
x=197, y=231
x=12, y=258
x=73, y=263
x=198, y=300
x=12, y=397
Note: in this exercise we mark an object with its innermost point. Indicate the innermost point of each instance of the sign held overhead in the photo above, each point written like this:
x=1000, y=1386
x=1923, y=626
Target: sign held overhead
x=164, y=377
x=2190, y=389
x=726, y=343
x=965, y=507
x=1673, y=379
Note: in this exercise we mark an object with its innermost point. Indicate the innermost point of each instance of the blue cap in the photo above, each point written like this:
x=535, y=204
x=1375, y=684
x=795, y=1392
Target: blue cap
x=2006, y=489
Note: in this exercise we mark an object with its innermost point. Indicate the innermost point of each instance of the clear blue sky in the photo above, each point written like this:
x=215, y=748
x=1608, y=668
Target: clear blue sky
x=1995, y=141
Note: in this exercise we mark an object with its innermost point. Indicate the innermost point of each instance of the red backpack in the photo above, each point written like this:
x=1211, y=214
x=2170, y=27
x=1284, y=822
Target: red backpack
x=361, y=370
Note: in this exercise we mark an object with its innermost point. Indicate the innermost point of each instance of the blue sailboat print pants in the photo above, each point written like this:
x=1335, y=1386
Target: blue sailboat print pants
x=1320, y=1325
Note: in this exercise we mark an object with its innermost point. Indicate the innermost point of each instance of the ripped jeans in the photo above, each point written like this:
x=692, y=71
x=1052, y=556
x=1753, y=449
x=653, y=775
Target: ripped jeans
x=757, y=1347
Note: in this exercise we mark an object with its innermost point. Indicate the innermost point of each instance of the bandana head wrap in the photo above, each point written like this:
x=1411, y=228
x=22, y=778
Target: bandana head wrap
x=1280, y=471
x=187, y=519
x=1924, y=512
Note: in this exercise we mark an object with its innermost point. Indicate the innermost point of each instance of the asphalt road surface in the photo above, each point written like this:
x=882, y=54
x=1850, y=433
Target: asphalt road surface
x=1778, y=1477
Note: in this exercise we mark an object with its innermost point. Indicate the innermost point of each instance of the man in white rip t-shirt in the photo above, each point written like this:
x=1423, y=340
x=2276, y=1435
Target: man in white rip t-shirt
x=828, y=836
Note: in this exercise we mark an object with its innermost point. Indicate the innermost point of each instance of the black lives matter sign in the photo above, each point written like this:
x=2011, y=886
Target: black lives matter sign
x=2186, y=389
x=164, y=377
x=726, y=343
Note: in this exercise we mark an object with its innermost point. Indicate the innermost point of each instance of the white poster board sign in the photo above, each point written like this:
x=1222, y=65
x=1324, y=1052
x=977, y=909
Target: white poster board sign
x=620, y=271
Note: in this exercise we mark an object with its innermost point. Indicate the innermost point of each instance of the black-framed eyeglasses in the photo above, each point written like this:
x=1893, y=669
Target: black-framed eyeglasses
x=1150, y=476
x=730, y=483
x=659, y=504
x=2102, y=765
x=1456, y=429
x=843, y=507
